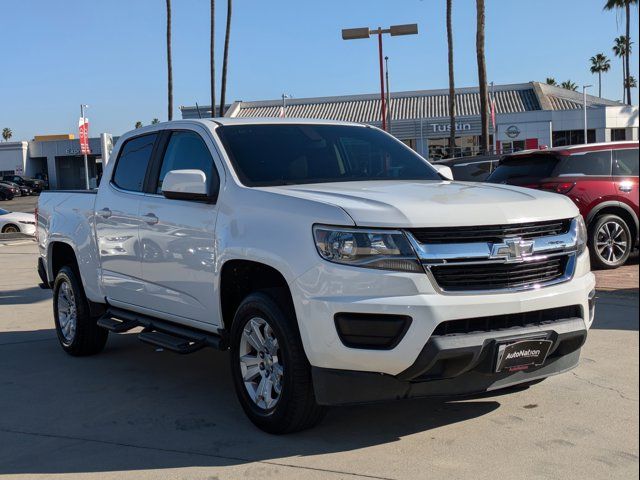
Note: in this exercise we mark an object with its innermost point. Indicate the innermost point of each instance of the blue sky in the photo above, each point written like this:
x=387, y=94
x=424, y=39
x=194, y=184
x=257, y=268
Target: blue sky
x=111, y=55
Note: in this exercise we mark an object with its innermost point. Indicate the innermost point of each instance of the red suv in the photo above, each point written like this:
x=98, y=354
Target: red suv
x=601, y=179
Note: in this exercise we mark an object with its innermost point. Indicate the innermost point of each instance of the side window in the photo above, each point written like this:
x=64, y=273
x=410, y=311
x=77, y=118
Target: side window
x=131, y=166
x=625, y=162
x=186, y=151
x=590, y=163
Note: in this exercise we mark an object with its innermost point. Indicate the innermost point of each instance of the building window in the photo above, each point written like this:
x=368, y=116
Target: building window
x=618, y=134
x=563, y=138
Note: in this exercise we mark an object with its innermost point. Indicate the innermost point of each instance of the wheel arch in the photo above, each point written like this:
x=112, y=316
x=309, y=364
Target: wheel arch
x=620, y=209
x=10, y=224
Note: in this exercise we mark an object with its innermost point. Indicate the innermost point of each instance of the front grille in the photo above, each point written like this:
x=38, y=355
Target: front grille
x=493, y=276
x=502, y=322
x=490, y=233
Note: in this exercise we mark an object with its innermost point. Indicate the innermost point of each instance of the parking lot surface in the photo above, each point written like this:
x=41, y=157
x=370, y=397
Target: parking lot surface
x=133, y=412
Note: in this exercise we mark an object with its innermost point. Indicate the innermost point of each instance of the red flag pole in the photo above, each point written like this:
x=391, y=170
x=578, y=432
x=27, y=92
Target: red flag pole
x=383, y=106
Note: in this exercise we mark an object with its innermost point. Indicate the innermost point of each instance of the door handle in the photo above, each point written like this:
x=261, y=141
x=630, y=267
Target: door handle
x=105, y=213
x=150, y=218
x=625, y=187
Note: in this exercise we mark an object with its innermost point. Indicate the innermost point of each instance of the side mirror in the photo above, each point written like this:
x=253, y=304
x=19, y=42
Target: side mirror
x=185, y=185
x=444, y=171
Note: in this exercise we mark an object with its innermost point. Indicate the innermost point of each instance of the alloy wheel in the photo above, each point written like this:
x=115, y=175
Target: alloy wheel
x=611, y=242
x=67, y=312
x=261, y=363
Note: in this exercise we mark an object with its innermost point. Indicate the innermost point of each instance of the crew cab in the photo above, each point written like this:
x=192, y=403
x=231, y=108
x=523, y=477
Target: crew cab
x=334, y=263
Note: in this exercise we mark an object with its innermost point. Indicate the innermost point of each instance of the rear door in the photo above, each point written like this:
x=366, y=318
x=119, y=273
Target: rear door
x=177, y=237
x=524, y=170
x=117, y=221
x=625, y=176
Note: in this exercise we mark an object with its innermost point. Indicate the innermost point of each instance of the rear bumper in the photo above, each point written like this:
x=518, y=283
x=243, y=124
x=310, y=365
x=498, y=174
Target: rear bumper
x=453, y=365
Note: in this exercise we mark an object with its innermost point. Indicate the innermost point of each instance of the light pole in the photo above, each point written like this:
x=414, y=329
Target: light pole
x=584, y=110
x=386, y=73
x=366, y=32
x=86, y=161
x=283, y=113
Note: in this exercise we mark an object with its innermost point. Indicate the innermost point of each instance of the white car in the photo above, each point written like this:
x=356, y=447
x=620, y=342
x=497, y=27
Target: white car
x=336, y=264
x=17, y=222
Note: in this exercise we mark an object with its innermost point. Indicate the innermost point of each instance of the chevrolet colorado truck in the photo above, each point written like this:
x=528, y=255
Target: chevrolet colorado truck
x=334, y=263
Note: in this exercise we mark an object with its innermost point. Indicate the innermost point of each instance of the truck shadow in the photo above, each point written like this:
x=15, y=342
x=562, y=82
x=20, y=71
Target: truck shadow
x=132, y=408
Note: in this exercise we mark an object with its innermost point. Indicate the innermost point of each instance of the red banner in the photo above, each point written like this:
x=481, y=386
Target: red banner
x=83, y=131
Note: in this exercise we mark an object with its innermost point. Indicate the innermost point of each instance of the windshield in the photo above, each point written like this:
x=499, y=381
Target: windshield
x=289, y=154
x=4, y=212
x=530, y=168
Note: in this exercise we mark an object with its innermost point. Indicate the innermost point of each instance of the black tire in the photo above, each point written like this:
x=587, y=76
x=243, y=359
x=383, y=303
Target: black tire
x=88, y=338
x=601, y=256
x=296, y=408
x=10, y=228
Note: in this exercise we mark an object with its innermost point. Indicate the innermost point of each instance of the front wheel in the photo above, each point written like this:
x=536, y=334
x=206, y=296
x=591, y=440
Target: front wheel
x=610, y=242
x=10, y=229
x=271, y=374
x=77, y=330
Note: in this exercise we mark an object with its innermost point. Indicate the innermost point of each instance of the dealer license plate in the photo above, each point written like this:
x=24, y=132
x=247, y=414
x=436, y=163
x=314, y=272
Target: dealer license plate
x=522, y=355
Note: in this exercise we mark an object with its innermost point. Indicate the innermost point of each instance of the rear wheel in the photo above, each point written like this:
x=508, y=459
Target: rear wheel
x=270, y=371
x=77, y=330
x=610, y=242
x=10, y=229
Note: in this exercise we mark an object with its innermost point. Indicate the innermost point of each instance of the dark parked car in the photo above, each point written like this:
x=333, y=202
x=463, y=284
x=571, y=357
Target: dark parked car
x=6, y=193
x=19, y=190
x=601, y=179
x=471, y=169
x=36, y=185
x=45, y=179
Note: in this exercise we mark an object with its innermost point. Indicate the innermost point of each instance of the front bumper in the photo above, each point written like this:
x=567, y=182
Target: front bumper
x=454, y=365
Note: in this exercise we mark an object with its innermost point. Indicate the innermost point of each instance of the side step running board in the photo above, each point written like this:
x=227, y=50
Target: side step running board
x=161, y=333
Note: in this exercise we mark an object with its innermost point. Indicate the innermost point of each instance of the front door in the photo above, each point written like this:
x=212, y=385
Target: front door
x=117, y=222
x=177, y=237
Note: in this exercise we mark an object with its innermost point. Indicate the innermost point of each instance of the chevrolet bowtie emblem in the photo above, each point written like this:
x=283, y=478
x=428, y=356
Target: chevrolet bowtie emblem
x=513, y=249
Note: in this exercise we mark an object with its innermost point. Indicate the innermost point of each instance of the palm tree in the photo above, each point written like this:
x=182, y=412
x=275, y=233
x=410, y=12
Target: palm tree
x=225, y=58
x=155, y=121
x=482, y=76
x=569, y=85
x=7, y=134
x=169, y=66
x=631, y=82
x=599, y=64
x=620, y=49
x=552, y=81
x=212, y=58
x=626, y=4
x=138, y=124
x=452, y=88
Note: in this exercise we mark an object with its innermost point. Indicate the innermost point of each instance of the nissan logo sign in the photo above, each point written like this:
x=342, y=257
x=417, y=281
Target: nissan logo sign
x=512, y=131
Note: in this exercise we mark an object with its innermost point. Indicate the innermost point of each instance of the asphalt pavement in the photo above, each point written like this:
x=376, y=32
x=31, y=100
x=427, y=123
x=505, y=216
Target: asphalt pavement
x=135, y=413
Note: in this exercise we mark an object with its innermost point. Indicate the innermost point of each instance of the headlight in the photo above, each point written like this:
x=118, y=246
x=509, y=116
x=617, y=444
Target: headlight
x=581, y=234
x=382, y=249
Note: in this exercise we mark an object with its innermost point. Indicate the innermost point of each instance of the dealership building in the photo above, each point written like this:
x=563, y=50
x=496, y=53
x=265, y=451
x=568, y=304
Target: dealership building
x=528, y=115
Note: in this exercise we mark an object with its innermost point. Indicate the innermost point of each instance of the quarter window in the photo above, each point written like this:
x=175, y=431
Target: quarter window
x=625, y=162
x=186, y=151
x=590, y=163
x=131, y=167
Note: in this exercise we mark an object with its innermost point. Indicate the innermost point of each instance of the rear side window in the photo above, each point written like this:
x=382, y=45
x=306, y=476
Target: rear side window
x=535, y=167
x=131, y=167
x=589, y=163
x=471, y=172
x=185, y=151
x=625, y=162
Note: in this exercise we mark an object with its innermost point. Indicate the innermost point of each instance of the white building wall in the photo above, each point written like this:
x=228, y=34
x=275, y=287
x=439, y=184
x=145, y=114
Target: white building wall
x=13, y=156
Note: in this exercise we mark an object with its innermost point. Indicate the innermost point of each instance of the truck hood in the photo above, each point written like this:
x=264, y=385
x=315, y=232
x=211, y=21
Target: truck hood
x=411, y=203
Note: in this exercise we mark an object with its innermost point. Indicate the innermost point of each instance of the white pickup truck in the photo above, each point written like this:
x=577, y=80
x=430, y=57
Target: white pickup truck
x=336, y=264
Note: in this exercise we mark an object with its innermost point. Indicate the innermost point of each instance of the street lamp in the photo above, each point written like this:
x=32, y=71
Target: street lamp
x=366, y=32
x=584, y=109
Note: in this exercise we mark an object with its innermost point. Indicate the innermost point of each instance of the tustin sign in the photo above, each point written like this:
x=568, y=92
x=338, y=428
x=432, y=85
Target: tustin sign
x=446, y=127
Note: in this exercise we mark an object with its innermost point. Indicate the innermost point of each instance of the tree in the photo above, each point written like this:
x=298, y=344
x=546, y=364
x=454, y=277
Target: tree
x=225, y=58
x=569, y=85
x=169, y=66
x=7, y=134
x=212, y=58
x=619, y=50
x=452, y=88
x=155, y=121
x=599, y=64
x=552, y=81
x=631, y=82
x=626, y=5
x=138, y=124
x=482, y=76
